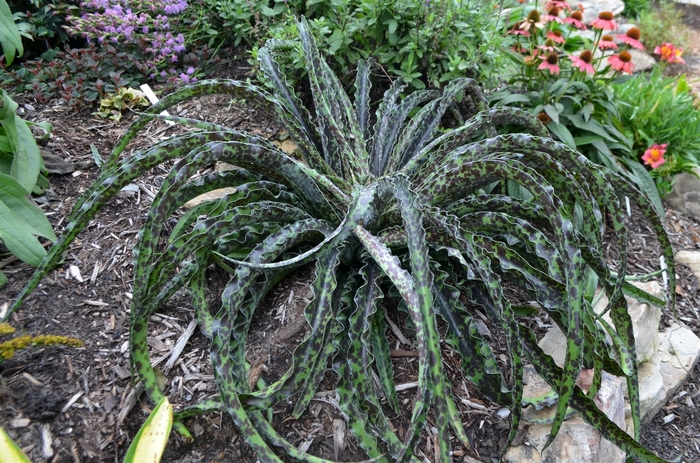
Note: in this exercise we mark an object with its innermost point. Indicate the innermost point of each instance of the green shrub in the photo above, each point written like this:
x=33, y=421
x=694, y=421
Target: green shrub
x=41, y=23
x=79, y=77
x=663, y=23
x=427, y=43
x=653, y=109
x=397, y=207
x=635, y=8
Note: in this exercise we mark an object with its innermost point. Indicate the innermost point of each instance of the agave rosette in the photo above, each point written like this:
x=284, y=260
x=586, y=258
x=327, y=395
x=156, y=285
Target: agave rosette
x=386, y=207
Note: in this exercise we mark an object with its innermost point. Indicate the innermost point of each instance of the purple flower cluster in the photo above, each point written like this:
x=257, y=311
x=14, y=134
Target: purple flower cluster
x=141, y=28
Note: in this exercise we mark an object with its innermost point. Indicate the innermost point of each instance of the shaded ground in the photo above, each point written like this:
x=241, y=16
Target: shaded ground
x=74, y=404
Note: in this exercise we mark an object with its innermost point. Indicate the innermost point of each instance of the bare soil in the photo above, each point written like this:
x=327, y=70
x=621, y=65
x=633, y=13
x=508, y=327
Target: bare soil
x=64, y=404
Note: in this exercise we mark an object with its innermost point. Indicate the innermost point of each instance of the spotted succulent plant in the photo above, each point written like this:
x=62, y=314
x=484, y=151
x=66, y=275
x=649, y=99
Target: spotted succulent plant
x=395, y=206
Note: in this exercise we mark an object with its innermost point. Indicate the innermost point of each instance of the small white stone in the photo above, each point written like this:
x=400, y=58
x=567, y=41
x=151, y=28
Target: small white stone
x=503, y=413
x=75, y=273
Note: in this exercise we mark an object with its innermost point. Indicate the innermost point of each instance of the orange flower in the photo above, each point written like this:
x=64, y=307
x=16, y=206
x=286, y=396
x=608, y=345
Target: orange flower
x=670, y=53
x=654, y=156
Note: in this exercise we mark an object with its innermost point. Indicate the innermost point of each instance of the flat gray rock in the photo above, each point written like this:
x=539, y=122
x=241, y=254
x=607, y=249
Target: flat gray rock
x=685, y=196
x=641, y=60
x=592, y=8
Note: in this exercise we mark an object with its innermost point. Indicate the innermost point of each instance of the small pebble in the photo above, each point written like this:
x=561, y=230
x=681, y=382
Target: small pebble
x=503, y=413
x=20, y=423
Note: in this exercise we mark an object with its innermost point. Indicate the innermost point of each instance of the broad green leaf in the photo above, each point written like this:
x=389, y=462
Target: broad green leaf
x=17, y=235
x=552, y=112
x=27, y=160
x=590, y=125
x=562, y=133
x=22, y=222
x=514, y=98
x=7, y=118
x=5, y=147
x=586, y=139
x=10, y=38
x=15, y=199
x=644, y=181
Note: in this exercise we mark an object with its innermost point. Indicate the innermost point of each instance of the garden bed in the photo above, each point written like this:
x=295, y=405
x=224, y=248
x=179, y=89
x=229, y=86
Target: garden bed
x=74, y=404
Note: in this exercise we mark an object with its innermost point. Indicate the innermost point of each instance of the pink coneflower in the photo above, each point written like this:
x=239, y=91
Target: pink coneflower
x=576, y=20
x=555, y=36
x=654, y=156
x=552, y=15
x=516, y=30
x=606, y=43
x=533, y=20
x=622, y=62
x=583, y=62
x=550, y=63
x=670, y=53
x=631, y=38
x=530, y=60
x=518, y=48
x=605, y=21
x=558, y=4
x=548, y=46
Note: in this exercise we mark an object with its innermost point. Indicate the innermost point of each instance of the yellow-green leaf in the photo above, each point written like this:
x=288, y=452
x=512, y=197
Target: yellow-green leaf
x=11, y=453
x=149, y=444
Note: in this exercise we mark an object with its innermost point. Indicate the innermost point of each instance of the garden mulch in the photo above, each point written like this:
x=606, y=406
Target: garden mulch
x=64, y=404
